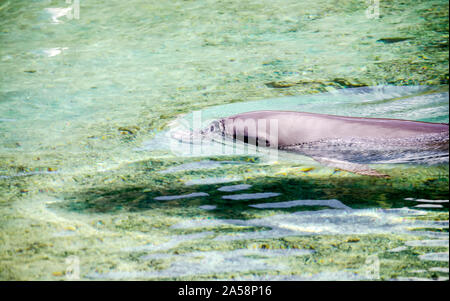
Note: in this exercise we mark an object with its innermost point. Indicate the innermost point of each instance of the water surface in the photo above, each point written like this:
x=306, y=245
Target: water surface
x=89, y=186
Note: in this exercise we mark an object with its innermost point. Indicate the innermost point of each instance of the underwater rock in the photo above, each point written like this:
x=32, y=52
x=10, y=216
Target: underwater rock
x=426, y=201
x=207, y=207
x=392, y=40
x=441, y=256
x=130, y=130
x=183, y=196
x=439, y=269
x=429, y=206
x=428, y=243
x=306, y=169
x=251, y=196
x=211, y=181
x=399, y=249
x=329, y=203
x=235, y=187
x=336, y=82
x=279, y=85
x=58, y=274
x=348, y=83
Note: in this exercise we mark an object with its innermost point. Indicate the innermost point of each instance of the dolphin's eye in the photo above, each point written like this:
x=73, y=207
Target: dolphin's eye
x=214, y=127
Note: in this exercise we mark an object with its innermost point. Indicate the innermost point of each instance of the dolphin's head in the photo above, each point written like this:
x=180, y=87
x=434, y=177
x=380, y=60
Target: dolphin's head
x=217, y=127
x=248, y=129
x=213, y=130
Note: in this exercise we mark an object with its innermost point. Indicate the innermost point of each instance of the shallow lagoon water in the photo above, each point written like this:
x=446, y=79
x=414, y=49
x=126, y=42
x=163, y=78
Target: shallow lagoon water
x=85, y=105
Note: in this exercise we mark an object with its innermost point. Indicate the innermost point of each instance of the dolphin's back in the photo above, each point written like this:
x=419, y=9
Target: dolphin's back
x=302, y=127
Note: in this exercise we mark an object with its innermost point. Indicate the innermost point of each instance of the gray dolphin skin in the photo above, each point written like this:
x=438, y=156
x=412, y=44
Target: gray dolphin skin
x=347, y=143
x=299, y=127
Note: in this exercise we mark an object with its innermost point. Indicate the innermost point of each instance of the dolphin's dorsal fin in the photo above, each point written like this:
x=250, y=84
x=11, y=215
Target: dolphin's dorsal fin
x=357, y=168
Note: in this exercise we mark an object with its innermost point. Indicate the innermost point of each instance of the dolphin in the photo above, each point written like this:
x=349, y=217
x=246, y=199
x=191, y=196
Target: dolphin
x=347, y=143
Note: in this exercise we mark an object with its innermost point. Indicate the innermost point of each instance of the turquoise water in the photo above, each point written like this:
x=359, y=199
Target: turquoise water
x=87, y=175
